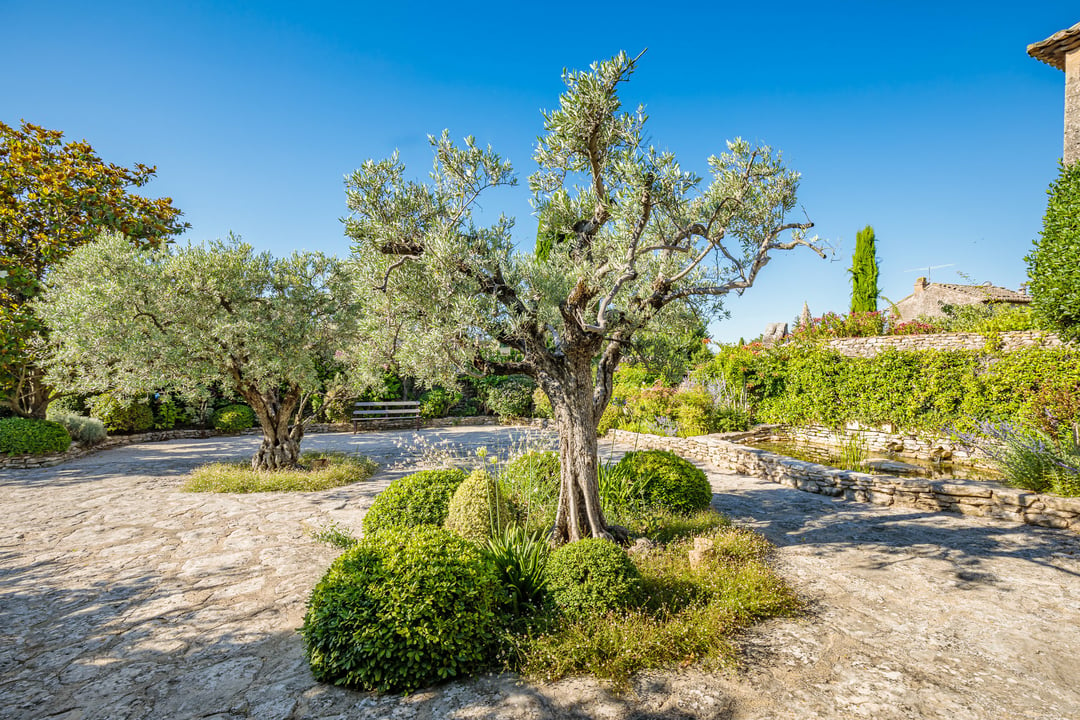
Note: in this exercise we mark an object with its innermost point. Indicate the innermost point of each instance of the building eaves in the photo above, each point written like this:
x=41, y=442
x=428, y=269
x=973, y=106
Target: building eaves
x=1053, y=49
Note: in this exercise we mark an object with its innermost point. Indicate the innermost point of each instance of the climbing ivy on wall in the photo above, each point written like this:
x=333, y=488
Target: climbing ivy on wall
x=931, y=390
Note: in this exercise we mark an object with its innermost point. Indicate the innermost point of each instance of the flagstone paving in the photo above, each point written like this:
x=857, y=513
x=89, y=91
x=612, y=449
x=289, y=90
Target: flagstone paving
x=121, y=597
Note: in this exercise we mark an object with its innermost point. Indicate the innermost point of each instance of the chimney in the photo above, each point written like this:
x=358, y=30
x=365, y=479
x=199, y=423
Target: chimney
x=920, y=285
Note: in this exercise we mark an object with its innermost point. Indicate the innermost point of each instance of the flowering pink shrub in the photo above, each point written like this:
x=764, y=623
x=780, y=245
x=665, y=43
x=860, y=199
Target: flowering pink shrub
x=832, y=325
x=914, y=327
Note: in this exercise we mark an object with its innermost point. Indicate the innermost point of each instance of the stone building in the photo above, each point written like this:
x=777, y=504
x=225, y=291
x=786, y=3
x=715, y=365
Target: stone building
x=1062, y=50
x=928, y=298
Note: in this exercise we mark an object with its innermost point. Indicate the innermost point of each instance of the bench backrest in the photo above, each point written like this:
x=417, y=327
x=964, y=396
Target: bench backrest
x=389, y=408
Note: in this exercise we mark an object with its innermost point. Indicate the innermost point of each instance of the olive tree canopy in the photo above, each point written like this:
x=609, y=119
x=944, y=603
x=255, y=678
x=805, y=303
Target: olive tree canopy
x=625, y=232
x=136, y=320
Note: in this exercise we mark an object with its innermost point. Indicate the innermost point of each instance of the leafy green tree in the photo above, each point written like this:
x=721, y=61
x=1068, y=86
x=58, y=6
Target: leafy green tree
x=134, y=320
x=1054, y=264
x=672, y=350
x=631, y=234
x=864, y=272
x=55, y=197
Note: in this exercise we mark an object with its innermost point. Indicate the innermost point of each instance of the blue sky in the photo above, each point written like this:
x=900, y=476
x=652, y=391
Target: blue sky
x=925, y=119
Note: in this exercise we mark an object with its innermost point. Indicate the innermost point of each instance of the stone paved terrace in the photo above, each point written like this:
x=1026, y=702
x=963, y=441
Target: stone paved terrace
x=121, y=597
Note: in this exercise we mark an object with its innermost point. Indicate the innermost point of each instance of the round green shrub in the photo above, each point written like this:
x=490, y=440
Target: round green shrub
x=668, y=481
x=85, y=430
x=509, y=397
x=122, y=416
x=402, y=610
x=233, y=418
x=422, y=498
x=477, y=508
x=592, y=577
x=30, y=436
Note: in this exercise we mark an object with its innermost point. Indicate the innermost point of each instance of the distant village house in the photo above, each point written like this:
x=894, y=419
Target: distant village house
x=929, y=297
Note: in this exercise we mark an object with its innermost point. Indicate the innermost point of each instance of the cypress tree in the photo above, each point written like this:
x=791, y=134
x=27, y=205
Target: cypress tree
x=1054, y=263
x=864, y=272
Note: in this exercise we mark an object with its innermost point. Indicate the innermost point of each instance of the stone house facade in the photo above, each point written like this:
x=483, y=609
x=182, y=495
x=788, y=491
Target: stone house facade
x=1062, y=51
x=928, y=298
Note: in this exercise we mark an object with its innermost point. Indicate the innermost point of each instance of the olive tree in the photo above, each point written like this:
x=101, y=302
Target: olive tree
x=135, y=320
x=627, y=234
x=54, y=197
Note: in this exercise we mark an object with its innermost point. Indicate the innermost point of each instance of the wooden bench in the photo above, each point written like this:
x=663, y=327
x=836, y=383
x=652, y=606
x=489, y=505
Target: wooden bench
x=389, y=410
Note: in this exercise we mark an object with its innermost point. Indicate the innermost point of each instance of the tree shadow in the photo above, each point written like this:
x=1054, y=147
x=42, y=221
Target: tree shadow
x=790, y=517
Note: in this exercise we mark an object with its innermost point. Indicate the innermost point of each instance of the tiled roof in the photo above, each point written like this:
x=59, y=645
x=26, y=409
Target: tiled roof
x=1053, y=49
x=987, y=293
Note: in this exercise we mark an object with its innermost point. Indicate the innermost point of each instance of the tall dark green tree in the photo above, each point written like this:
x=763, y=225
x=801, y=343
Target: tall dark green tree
x=1054, y=264
x=864, y=272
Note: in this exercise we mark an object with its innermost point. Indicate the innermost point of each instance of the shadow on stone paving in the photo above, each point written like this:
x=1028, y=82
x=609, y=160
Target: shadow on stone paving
x=129, y=649
x=789, y=517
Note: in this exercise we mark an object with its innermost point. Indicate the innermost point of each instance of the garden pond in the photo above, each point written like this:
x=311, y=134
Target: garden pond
x=878, y=463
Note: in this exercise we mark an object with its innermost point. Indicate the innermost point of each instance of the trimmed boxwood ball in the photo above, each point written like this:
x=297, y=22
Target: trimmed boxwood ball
x=477, y=508
x=30, y=436
x=592, y=577
x=422, y=498
x=401, y=610
x=233, y=418
x=669, y=481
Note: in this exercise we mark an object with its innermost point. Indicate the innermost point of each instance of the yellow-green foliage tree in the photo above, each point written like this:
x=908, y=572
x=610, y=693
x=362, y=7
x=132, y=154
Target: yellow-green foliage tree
x=54, y=197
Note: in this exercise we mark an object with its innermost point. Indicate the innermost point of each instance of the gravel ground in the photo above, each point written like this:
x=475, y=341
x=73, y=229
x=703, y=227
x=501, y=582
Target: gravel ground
x=121, y=597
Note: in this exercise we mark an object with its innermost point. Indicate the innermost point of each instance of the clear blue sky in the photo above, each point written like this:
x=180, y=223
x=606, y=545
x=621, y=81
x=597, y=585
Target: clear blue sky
x=925, y=119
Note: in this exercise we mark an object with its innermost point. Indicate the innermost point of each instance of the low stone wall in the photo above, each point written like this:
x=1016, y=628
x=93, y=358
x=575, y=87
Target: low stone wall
x=77, y=451
x=968, y=497
x=1005, y=341
x=885, y=440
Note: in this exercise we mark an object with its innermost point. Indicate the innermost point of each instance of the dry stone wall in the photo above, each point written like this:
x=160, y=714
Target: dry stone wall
x=884, y=439
x=967, y=497
x=1005, y=341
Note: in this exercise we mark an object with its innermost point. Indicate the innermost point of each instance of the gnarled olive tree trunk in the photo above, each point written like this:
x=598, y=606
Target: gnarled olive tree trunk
x=282, y=431
x=577, y=405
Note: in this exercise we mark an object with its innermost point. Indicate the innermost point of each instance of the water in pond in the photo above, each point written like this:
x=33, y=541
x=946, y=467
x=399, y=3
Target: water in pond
x=832, y=457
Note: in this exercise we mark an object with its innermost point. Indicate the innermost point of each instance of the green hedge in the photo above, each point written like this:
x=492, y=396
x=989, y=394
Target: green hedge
x=29, y=436
x=122, y=415
x=233, y=418
x=931, y=390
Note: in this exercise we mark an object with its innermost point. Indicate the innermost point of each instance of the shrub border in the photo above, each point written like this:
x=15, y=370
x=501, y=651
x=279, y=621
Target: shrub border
x=967, y=497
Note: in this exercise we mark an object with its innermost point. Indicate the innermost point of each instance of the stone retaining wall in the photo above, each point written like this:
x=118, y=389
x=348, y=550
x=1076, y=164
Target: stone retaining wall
x=76, y=451
x=968, y=497
x=884, y=440
x=1005, y=341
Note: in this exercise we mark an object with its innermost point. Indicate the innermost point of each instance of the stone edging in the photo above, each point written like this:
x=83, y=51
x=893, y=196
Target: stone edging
x=24, y=462
x=968, y=497
x=77, y=451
